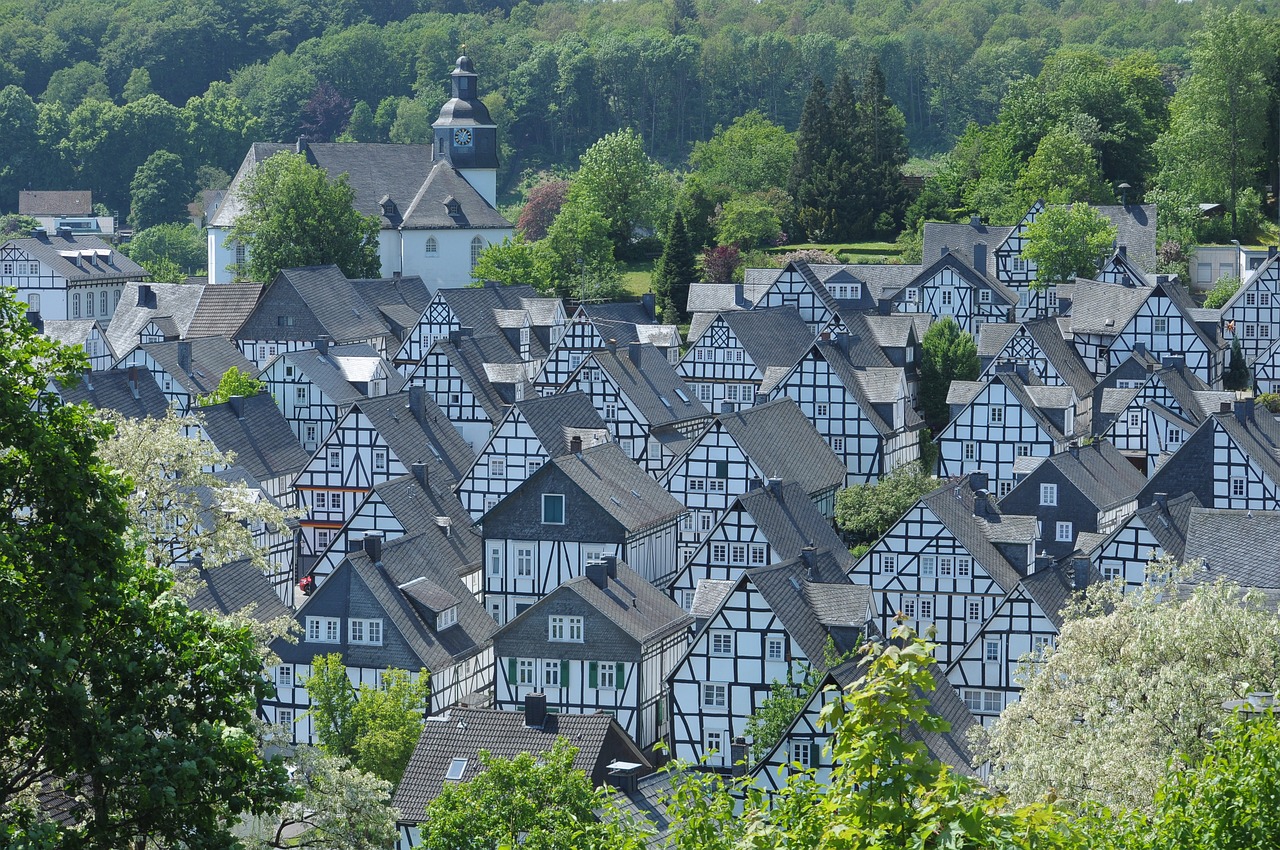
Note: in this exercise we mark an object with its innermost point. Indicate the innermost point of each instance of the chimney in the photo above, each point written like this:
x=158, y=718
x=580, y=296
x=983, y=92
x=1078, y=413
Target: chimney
x=237, y=405
x=650, y=304
x=1173, y=361
x=63, y=230
x=1123, y=250
x=184, y=356
x=41, y=234
x=575, y=444
x=975, y=220
x=633, y=351
x=598, y=574
x=1126, y=280
x=885, y=307
x=978, y=480
x=144, y=295
x=419, y=470
x=738, y=756
x=739, y=299
x=1224, y=407
x=1079, y=572
x=1271, y=251
x=980, y=506
x=611, y=566
x=373, y=546
x=980, y=257
x=842, y=340
x=727, y=407
x=133, y=381
x=775, y=486
x=418, y=403
x=611, y=344
x=1244, y=410
x=1162, y=279
x=1043, y=561
x=322, y=345
x=455, y=338
x=397, y=274
x=1139, y=348
x=623, y=776
x=1161, y=499
x=301, y=146
x=809, y=556
x=535, y=710
x=1074, y=448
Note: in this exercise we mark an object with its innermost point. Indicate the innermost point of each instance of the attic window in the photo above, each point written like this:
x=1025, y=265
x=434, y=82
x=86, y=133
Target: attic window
x=285, y=321
x=457, y=767
x=452, y=207
x=447, y=618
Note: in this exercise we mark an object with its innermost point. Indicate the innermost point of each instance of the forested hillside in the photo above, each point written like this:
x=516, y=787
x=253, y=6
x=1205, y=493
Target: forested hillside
x=95, y=87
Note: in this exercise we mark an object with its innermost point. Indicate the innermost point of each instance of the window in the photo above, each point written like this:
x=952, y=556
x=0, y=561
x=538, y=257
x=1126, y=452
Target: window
x=524, y=562
x=719, y=553
x=551, y=673
x=697, y=485
x=1173, y=435
x=926, y=609
x=822, y=409
x=928, y=566
x=610, y=412
x=1160, y=325
x=320, y=497
x=495, y=561
x=974, y=610
x=948, y=298
x=1237, y=487
x=1264, y=298
x=457, y=768
x=997, y=416
x=497, y=468
x=1251, y=299
x=75, y=305
x=946, y=566
x=717, y=485
x=913, y=295
x=88, y=303
x=431, y=248
x=284, y=717
x=552, y=509
x=102, y=302
x=1041, y=643
x=715, y=695
x=970, y=451
x=802, y=753
x=1003, y=488
x=983, y=702
x=722, y=643
x=837, y=444
x=322, y=629
x=1110, y=572
x=477, y=247
x=774, y=649
x=525, y=672
x=364, y=631
x=335, y=459
x=758, y=554
x=1048, y=494
x=686, y=599
x=1063, y=534
x=889, y=564
x=495, y=611
x=991, y=649
x=909, y=609
x=448, y=617
x=964, y=567
x=323, y=536
x=738, y=554
x=284, y=676
x=984, y=296
x=1264, y=331
x=300, y=395
x=380, y=460
x=715, y=746
x=564, y=629
x=1135, y=419
x=608, y=675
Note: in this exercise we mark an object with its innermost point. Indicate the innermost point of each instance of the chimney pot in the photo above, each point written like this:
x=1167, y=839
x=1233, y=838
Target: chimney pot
x=419, y=470
x=322, y=344
x=184, y=356
x=575, y=444
x=535, y=710
x=237, y=405
x=1123, y=250
x=133, y=381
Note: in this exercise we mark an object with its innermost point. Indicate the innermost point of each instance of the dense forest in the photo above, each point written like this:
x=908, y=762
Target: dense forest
x=91, y=91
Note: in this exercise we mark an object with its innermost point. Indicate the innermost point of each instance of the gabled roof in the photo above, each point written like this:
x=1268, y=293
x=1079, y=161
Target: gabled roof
x=177, y=302
x=477, y=307
x=74, y=331
x=962, y=268
x=1167, y=521
x=773, y=337
x=956, y=507
x=231, y=588
x=1135, y=229
x=1062, y=354
x=334, y=371
x=420, y=503
x=401, y=300
x=427, y=210
x=960, y=239
x=882, y=280
x=814, y=599
x=79, y=258
x=1268, y=267
x=211, y=358
x=133, y=393
x=782, y=443
x=473, y=357
x=223, y=308
x=876, y=388
x=416, y=430
x=648, y=382
x=895, y=330
x=619, y=486
x=1053, y=588
x=334, y=302
x=789, y=520
x=1104, y=308
x=462, y=733
x=1098, y=470
x=722, y=297
x=556, y=419
x=45, y=202
x=259, y=435
x=1228, y=543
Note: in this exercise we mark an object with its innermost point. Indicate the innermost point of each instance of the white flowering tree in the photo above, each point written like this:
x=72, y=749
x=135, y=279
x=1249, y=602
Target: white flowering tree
x=1135, y=688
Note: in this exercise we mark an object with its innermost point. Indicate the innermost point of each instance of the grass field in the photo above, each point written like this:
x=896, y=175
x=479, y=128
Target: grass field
x=635, y=276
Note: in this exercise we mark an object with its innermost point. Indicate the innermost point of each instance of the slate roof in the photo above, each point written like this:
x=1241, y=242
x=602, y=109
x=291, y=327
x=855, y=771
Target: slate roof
x=1135, y=228
x=231, y=588
x=773, y=337
x=619, y=486
x=894, y=331
x=961, y=267
x=427, y=210
x=954, y=505
x=789, y=520
x=1228, y=542
x=994, y=336
x=554, y=417
x=649, y=383
x=723, y=297
x=1052, y=589
x=472, y=356
x=175, y=301
x=258, y=433
x=879, y=280
x=80, y=258
x=336, y=307
x=136, y=398
x=959, y=239
x=782, y=443
x=428, y=437
x=709, y=595
x=814, y=599
x=42, y=202
x=73, y=331
x=1062, y=354
x=1104, y=308
x=860, y=365
x=417, y=503
x=1099, y=470
x=401, y=300
x=465, y=732
x=222, y=309
x=476, y=307
x=211, y=358
x=1167, y=520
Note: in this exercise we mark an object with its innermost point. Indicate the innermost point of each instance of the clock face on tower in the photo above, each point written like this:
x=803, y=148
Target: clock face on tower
x=462, y=136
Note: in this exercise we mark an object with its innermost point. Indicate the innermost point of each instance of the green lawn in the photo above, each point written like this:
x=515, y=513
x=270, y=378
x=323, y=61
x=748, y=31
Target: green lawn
x=635, y=276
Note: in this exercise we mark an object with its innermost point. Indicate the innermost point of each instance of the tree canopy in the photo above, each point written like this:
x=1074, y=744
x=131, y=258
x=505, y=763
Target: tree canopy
x=947, y=354
x=1066, y=242
x=866, y=511
x=294, y=215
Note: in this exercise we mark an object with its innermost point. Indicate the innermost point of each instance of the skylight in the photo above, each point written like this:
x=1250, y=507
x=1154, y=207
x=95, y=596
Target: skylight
x=456, y=768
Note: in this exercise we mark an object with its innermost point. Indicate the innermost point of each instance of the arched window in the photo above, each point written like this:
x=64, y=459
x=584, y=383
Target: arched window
x=33, y=302
x=102, y=301
x=432, y=247
x=88, y=303
x=75, y=305
x=477, y=245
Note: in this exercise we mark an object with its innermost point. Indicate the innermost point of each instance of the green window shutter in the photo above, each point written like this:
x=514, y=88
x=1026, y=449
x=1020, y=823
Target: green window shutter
x=661, y=706
x=815, y=755
x=620, y=676
x=722, y=469
x=564, y=674
x=592, y=677
x=511, y=671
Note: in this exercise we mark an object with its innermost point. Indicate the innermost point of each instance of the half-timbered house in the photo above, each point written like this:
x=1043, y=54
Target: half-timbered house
x=594, y=327
x=400, y=604
x=131, y=392
x=1150, y=532
x=1266, y=369
x=533, y=432
x=378, y=439
x=314, y=387
x=768, y=441
x=1252, y=315
x=163, y=312
x=1090, y=488
x=1034, y=348
x=949, y=286
x=89, y=334
x=800, y=287
x=635, y=390
x=577, y=508
x=252, y=429
x=948, y=563
x=1002, y=425
x=604, y=641
x=741, y=350
x=187, y=369
x=777, y=623
x=67, y=275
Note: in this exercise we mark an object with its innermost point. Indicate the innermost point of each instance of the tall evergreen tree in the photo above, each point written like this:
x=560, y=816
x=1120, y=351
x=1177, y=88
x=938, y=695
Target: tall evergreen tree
x=1237, y=376
x=851, y=197
x=676, y=268
x=881, y=139
x=809, y=184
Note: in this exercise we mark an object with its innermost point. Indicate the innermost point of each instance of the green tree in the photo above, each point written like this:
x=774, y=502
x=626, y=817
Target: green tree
x=1063, y=170
x=676, y=268
x=618, y=180
x=376, y=728
x=510, y=262
x=95, y=642
x=866, y=511
x=576, y=258
x=17, y=226
x=1223, y=289
x=538, y=801
x=948, y=354
x=233, y=382
x=810, y=183
x=181, y=244
x=295, y=216
x=138, y=86
x=752, y=154
x=748, y=221
x=881, y=142
x=768, y=723
x=1067, y=242
x=361, y=126
x=1135, y=680
x=71, y=86
x=159, y=191
x=1218, y=129
x=1237, y=376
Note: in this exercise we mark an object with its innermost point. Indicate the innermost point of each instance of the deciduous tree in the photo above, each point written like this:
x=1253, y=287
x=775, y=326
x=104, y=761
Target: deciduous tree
x=866, y=511
x=233, y=382
x=159, y=191
x=948, y=354
x=1067, y=242
x=619, y=181
x=181, y=244
x=752, y=154
x=541, y=207
x=294, y=215
x=510, y=262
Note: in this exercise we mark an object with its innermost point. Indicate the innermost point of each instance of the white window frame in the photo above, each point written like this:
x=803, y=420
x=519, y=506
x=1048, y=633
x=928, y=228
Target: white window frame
x=721, y=643
x=448, y=617
x=1063, y=532
x=991, y=653
x=367, y=632
x=334, y=459
x=1049, y=494
x=606, y=676
x=564, y=629
x=323, y=629
x=775, y=648
x=524, y=561
x=551, y=673
x=526, y=673
x=715, y=695
x=997, y=415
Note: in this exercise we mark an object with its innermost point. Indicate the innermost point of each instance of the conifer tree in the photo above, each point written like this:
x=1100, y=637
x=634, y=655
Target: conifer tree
x=676, y=268
x=1237, y=376
x=809, y=183
x=881, y=139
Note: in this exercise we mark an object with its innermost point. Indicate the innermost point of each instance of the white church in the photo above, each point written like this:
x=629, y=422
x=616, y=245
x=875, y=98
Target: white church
x=436, y=203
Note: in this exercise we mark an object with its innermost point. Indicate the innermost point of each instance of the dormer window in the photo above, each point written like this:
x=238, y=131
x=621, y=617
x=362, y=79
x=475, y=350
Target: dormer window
x=452, y=207
x=448, y=617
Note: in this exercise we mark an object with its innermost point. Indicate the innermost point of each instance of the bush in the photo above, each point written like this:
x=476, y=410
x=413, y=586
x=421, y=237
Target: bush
x=1222, y=291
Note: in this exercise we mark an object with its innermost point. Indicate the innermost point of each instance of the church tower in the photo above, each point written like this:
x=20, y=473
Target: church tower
x=466, y=135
